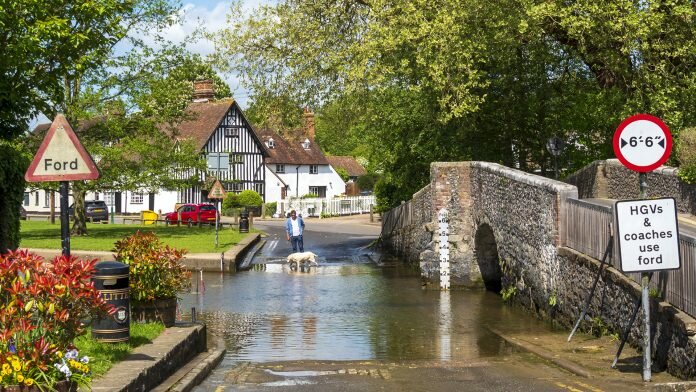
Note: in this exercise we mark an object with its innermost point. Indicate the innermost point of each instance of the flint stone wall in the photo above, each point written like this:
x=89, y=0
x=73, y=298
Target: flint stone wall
x=523, y=211
x=610, y=179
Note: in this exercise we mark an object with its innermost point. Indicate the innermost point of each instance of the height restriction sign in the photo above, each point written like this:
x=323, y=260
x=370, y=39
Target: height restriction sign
x=642, y=143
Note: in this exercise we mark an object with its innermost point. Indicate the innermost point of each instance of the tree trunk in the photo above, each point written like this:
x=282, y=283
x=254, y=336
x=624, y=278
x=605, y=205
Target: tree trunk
x=80, y=224
x=53, y=206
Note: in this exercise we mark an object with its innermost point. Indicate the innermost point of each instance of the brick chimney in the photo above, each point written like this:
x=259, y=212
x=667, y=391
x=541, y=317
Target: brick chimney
x=308, y=118
x=203, y=90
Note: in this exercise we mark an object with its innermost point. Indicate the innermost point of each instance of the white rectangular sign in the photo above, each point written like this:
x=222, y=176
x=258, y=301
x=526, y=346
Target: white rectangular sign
x=648, y=235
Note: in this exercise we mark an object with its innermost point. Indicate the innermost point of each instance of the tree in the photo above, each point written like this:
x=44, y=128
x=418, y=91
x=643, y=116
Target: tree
x=421, y=81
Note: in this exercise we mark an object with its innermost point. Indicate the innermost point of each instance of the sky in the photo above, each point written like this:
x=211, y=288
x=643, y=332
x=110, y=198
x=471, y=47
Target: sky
x=213, y=15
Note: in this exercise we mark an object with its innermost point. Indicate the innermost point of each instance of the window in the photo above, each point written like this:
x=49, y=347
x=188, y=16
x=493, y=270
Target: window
x=96, y=195
x=320, y=191
x=238, y=186
x=313, y=169
x=271, y=143
x=231, y=132
x=36, y=198
x=237, y=158
x=47, y=198
x=137, y=198
x=109, y=198
x=258, y=188
x=218, y=161
x=26, y=198
x=280, y=168
x=306, y=144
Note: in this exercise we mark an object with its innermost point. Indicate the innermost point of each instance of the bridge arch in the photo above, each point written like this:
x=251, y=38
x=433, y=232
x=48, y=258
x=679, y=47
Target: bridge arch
x=486, y=251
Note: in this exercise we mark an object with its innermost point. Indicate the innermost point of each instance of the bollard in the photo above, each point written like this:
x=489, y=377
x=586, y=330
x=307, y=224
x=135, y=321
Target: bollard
x=244, y=222
x=193, y=314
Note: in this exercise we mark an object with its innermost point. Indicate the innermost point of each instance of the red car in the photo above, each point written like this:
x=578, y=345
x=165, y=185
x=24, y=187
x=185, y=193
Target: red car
x=191, y=212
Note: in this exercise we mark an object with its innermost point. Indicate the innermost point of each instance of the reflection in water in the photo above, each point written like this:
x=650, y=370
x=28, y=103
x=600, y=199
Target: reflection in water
x=445, y=348
x=347, y=312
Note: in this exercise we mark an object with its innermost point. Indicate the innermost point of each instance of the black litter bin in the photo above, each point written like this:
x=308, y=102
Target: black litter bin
x=244, y=222
x=111, y=280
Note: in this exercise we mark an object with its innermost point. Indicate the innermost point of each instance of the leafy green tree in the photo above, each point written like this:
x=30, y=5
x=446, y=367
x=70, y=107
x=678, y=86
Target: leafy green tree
x=404, y=83
x=343, y=173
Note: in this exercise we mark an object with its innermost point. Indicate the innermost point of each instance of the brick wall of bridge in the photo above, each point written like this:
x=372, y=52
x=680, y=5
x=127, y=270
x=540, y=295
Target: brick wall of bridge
x=523, y=212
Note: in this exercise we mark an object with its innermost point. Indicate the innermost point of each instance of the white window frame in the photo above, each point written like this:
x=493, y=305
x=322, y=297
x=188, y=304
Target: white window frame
x=313, y=169
x=136, y=197
x=280, y=168
x=26, y=199
x=231, y=131
x=47, y=199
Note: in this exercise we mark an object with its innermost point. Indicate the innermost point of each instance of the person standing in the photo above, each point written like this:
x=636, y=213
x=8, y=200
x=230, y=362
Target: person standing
x=294, y=227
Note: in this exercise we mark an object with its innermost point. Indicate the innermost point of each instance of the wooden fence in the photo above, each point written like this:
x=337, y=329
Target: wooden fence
x=335, y=206
x=397, y=218
x=586, y=228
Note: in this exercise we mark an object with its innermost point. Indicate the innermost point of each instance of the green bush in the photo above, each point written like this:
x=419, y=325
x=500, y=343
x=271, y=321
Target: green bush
x=271, y=208
x=249, y=198
x=686, y=154
x=367, y=182
x=231, y=201
x=343, y=173
x=12, y=167
x=309, y=196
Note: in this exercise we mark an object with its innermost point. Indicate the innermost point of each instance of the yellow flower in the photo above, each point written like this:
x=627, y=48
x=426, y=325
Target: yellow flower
x=6, y=367
x=29, y=382
x=59, y=354
x=6, y=372
x=16, y=366
x=20, y=378
x=86, y=368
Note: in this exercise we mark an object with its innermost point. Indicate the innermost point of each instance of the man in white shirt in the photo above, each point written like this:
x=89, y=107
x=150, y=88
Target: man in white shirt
x=294, y=227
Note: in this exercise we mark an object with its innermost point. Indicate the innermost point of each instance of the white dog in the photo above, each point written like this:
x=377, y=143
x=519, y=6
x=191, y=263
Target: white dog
x=302, y=259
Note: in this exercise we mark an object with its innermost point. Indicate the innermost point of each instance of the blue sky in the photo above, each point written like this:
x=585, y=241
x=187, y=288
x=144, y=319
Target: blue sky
x=213, y=13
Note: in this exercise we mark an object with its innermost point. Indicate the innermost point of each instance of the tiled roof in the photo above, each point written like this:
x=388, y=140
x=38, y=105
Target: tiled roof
x=202, y=119
x=289, y=150
x=352, y=166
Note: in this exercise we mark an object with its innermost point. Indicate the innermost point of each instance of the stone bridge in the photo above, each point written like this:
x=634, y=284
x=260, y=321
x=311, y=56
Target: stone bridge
x=505, y=235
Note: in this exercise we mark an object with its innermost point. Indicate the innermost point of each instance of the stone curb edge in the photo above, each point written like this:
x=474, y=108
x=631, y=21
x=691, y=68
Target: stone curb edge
x=200, y=371
x=545, y=354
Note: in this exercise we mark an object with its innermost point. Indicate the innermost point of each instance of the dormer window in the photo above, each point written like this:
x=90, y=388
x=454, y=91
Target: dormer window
x=305, y=144
x=271, y=143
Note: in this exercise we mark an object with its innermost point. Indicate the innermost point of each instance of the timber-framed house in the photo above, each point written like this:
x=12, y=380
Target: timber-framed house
x=232, y=150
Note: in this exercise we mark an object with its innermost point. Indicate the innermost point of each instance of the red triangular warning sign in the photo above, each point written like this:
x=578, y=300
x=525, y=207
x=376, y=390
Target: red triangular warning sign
x=217, y=191
x=61, y=156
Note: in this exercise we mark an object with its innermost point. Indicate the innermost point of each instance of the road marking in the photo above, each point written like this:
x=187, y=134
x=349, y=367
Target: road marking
x=274, y=243
x=590, y=387
x=568, y=387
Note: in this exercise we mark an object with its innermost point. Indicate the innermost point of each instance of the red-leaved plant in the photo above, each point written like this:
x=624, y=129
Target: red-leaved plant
x=155, y=269
x=42, y=306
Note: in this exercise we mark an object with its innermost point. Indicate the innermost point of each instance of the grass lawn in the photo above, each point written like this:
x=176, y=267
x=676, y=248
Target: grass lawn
x=39, y=234
x=102, y=356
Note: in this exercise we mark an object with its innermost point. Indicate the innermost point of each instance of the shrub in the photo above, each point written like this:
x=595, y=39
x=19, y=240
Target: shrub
x=12, y=167
x=249, y=198
x=42, y=306
x=686, y=154
x=367, y=182
x=309, y=196
x=231, y=201
x=343, y=173
x=271, y=208
x=155, y=268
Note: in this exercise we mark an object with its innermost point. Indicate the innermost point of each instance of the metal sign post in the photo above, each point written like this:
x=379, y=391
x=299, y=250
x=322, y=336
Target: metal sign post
x=217, y=192
x=647, y=230
x=61, y=157
x=443, y=232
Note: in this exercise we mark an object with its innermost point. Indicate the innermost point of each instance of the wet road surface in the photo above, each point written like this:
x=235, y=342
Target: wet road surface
x=350, y=325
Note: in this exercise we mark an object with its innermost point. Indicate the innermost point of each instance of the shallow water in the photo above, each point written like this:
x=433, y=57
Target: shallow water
x=347, y=311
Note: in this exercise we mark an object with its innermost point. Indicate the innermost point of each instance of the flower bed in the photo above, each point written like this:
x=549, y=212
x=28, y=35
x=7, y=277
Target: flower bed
x=42, y=306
